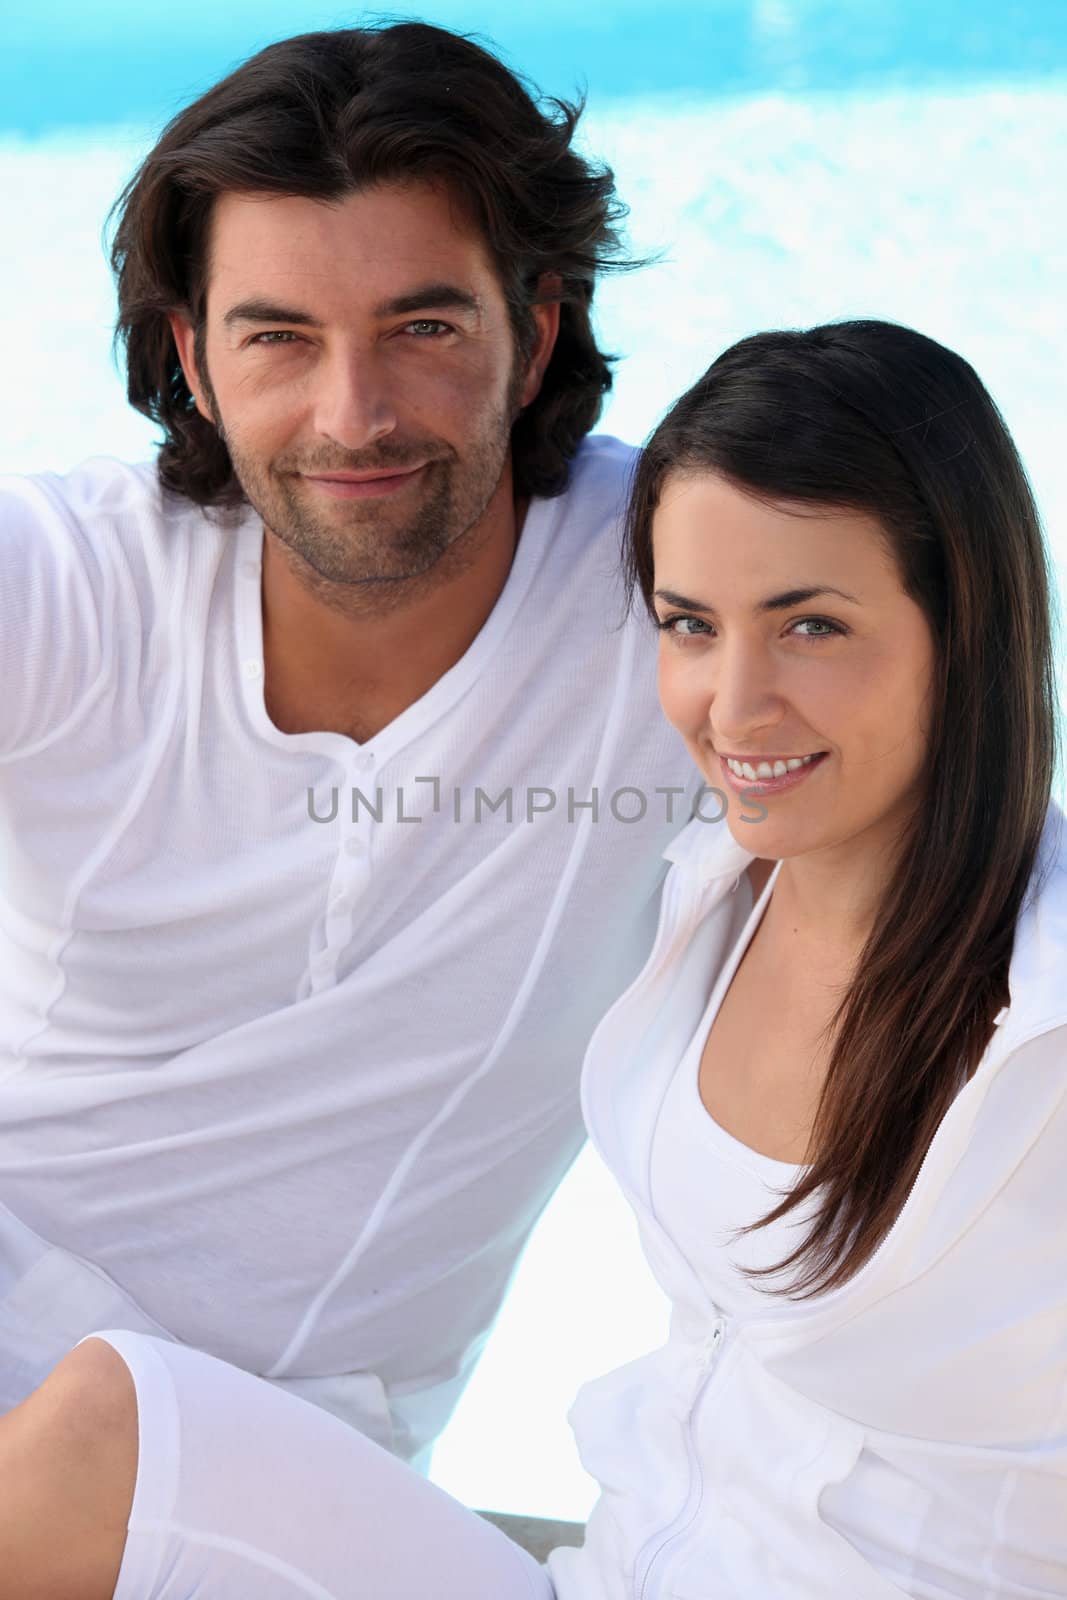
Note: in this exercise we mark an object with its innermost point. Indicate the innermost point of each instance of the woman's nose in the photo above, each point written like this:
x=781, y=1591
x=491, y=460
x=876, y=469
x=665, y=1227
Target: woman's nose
x=745, y=696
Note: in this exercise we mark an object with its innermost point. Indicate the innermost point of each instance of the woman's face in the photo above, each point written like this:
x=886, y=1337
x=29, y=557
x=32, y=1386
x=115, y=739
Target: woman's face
x=793, y=664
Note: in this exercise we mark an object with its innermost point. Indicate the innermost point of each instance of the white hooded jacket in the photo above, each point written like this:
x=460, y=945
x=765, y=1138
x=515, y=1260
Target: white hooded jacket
x=904, y=1434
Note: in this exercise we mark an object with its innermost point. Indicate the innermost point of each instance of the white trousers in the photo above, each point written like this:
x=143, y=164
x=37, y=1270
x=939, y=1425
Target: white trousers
x=246, y=1491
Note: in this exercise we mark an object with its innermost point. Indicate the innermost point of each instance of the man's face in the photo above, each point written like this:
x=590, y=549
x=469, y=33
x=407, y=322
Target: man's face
x=359, y=360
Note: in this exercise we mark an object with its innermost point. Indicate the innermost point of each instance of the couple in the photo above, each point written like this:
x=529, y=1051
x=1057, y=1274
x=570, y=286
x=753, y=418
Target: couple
x=335, y=802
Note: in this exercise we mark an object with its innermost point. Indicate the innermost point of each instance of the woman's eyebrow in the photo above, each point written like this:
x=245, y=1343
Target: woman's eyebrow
x=800, y=597
x=774, y=602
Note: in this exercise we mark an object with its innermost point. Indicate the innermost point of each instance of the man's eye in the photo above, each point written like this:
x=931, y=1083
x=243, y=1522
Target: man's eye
x=428, y=328
x=273, y=336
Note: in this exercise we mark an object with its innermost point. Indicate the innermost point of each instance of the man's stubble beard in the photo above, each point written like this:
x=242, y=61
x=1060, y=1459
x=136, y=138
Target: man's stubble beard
x=373, y=560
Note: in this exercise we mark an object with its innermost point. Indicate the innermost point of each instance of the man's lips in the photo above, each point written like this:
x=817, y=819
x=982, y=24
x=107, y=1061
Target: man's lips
x=362, y=485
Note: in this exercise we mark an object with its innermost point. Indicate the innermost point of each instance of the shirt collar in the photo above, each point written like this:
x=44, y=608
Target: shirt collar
x=708, y=848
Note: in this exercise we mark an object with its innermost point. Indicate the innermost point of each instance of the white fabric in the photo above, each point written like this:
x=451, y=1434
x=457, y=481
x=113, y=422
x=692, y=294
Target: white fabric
x=245, y=1493
x=705, y=1185
x=294, y=1091
x=905, y=1434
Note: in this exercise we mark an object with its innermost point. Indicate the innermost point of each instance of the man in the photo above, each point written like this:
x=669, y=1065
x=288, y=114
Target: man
x=333, y=785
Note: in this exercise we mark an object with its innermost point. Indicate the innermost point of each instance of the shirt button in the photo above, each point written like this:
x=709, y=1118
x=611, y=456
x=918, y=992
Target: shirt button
x=364, y=760
x=353, y=845
x=253, y=669
x=250, y=569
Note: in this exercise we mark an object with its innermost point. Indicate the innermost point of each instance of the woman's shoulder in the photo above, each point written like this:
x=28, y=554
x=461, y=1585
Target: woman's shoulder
x=1049, y=878
x=1038, y=993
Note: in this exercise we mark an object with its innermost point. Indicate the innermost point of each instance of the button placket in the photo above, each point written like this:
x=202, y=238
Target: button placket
x=353, y=859
x=352, y=871
x=322, y=971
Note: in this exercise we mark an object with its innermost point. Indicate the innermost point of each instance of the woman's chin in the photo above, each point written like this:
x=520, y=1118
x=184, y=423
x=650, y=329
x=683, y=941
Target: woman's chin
x=772, y=838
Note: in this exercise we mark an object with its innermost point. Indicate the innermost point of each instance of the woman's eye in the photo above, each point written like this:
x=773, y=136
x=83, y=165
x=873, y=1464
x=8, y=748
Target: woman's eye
x=683, y=627
x=820, y=627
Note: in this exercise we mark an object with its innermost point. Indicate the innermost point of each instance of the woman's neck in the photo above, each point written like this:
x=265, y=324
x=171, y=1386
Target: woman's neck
x=832, y=897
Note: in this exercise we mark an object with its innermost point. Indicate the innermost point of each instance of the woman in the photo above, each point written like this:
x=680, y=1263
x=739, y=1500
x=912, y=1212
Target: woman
x=836, y=1096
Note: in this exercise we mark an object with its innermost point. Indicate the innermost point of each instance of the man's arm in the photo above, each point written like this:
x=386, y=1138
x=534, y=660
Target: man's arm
x=51, y=644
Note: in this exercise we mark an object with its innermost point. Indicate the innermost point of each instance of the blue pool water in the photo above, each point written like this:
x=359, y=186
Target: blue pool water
x=792, y=161
x=66, y=63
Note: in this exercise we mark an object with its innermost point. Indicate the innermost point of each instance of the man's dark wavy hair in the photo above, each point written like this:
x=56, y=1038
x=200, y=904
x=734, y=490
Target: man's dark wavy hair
x=324, y=115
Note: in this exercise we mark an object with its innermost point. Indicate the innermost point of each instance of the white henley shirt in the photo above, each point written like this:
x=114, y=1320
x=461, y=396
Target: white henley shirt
x=291, y=1027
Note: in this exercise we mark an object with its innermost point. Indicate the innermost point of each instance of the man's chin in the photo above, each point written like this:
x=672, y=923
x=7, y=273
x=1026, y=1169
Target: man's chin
x=352, y=548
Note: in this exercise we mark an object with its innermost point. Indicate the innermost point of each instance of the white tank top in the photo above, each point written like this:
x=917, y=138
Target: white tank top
x=705, y=1184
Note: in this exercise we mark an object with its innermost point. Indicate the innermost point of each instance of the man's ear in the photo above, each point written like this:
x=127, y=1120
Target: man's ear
x=181, y=326
x=546, y=312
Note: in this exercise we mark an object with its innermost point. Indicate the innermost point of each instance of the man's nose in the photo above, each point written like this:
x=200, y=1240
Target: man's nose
x=354, y=405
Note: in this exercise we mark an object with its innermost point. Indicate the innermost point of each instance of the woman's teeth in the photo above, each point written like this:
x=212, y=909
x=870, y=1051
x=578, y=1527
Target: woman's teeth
x=765, y=769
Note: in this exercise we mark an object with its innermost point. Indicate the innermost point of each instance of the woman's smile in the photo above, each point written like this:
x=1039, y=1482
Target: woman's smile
x=793, y=663
x=768, y=774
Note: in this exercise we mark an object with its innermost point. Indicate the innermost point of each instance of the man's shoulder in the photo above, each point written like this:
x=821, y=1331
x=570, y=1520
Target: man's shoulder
x=598, y=485
x=99, y=495
x=600, y=475
x=101, y=514
x=97, y=486
x=583, y=525
x=606, y=453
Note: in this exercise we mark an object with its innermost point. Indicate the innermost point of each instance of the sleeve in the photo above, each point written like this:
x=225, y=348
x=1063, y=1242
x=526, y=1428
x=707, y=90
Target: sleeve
x=52, y=593
x=1025, y=1235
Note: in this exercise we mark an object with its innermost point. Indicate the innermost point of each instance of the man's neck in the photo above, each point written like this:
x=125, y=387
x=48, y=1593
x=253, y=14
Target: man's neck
x=350, y=658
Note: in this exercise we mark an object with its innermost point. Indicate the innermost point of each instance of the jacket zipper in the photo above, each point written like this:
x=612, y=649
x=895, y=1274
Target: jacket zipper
x=657, y=1547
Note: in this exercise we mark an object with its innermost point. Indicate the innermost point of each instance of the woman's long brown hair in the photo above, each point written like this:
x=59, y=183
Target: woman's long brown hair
x=877, y=418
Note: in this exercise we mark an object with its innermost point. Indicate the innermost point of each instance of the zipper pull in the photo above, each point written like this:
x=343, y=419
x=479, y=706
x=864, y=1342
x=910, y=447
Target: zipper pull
x=709, y=1350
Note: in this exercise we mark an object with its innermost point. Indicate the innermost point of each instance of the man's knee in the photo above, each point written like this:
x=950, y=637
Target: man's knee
x=68, y=1464
x=84, y=1416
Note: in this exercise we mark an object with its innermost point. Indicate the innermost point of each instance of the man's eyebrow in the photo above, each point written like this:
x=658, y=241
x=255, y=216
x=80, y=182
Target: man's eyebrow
x=269, y=311
x=436, y=296
x=429, y=296
x=775, y=602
